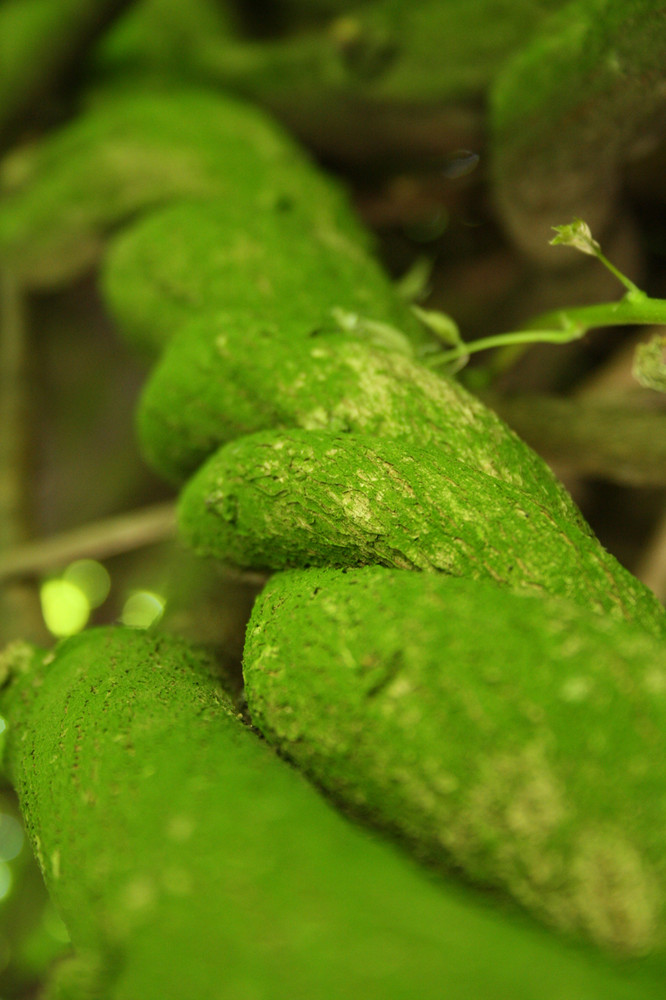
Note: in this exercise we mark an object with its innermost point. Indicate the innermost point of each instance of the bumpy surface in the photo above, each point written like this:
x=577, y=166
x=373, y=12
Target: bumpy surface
x=483, y=726
x=189, y=861
x=304, y=498
x=135, y=152
x=349, y=453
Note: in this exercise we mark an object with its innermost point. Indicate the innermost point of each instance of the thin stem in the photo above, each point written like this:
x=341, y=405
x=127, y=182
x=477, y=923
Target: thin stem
x=564, y=325
x=100, y=540
x=503, y=340
x=622, y=278
x=631, y=310
x=19, y=608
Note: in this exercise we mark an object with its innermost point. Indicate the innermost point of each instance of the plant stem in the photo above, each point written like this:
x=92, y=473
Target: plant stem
x=635, y=308
x=503, y=340
x=564, y=325
x=99, y=540
x=12, y=410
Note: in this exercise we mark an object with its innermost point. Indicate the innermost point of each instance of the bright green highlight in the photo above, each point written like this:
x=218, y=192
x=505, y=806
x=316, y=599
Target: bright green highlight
x=64, y=606
x=67, y=601
x=91, y=578
x=142, y=609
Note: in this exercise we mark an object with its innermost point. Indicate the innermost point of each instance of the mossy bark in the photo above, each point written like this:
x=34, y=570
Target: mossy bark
x=504, y=736
x=287, y=499
x=189, y=861
x=132, y=153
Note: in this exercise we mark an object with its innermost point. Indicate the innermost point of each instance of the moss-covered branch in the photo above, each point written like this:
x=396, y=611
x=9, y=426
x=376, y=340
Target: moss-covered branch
x=282, y=342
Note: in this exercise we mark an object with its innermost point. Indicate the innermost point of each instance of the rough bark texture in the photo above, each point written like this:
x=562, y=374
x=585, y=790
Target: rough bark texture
x=349, y=452
x=486, y=728
x=286, y=499
x=216, y=871
x=229, y=375
x=228, y=256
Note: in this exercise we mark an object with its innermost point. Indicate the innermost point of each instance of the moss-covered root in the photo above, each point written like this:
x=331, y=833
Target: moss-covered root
x=233, y=373
x=136, y=151
x=225, y=255
x=195, y=863
x=539, y=769
x=293, y=499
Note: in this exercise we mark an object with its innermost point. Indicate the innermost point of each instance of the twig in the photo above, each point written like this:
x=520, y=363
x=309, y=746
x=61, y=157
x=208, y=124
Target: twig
x=99, y=540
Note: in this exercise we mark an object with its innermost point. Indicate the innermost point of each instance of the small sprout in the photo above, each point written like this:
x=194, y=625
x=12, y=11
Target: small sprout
x=447, y=332
x=576, y=234
x=445, y=329
x=649, y=366
x=375, y=333
x=413, y=285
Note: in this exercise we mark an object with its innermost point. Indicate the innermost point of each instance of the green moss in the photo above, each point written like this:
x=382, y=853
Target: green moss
x=128, y=154
x=187, y=860
x=380, y=56
x=297, y=498
x=160, y=37
x=446, y=51
x=232, y=374
x=518, y=740
x=197, y=259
